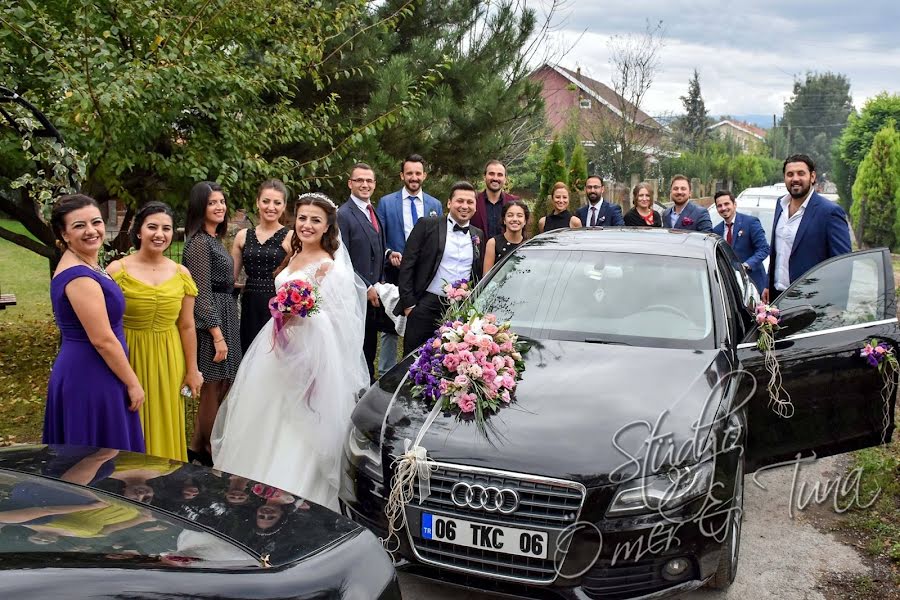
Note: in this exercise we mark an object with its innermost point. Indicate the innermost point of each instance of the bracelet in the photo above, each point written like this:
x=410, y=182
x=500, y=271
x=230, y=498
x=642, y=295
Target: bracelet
x=221, y=339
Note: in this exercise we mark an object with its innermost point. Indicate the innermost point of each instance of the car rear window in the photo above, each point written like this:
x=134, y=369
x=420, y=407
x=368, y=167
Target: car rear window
x=603, y=297
x=63, y=523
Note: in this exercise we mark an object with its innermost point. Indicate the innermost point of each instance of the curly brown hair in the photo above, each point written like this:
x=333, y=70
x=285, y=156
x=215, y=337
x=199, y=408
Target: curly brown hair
x=330, y=241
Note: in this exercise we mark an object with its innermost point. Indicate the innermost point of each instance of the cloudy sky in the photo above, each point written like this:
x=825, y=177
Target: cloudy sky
x=747, y=53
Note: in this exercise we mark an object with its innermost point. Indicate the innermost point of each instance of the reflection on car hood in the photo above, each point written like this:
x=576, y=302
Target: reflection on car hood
x=223, y=504
x=576, y=402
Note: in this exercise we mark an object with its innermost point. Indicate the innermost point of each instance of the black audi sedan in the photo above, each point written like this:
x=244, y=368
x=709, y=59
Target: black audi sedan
x=79, y=522
x=618, y=472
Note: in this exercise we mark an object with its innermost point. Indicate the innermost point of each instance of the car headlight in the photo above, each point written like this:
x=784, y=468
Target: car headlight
x=364, y=453
x=664, y=491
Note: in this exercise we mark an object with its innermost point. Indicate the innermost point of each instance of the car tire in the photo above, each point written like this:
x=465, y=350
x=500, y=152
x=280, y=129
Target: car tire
x=728, y=560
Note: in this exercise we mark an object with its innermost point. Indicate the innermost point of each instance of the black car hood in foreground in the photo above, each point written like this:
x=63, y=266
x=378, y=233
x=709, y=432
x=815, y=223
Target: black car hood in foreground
x=575, y=402
x=195, y=494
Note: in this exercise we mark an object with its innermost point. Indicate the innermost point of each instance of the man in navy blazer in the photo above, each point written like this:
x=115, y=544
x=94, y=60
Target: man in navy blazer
x=746, y=236
x=399, y=212
x=808, y=228
x=362, y=234
x=599, y=212
x=684, y=214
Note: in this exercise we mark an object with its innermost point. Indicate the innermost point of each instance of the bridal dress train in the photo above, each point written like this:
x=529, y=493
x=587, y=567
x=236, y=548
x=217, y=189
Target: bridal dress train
x=286, y=417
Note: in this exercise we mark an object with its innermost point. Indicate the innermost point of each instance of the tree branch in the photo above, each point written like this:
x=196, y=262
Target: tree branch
x=26, y=242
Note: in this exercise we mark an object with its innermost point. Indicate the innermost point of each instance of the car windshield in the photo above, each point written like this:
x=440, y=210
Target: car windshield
x=766, y=216
x=603, y=297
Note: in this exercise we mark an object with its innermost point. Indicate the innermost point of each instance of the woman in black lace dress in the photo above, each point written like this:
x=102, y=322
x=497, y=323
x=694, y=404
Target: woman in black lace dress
x=259, y=250
x=215, y=309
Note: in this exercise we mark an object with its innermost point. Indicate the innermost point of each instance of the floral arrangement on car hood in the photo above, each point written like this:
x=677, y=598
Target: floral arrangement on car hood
x=470, y=367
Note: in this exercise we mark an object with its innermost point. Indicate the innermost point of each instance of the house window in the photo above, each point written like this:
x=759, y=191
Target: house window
x=584, y=103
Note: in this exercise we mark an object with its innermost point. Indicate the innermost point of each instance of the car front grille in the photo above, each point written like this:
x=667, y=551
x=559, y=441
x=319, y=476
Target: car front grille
x=544, y=504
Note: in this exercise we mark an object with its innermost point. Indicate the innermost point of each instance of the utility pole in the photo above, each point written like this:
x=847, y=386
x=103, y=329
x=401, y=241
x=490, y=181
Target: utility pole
x=774, y=126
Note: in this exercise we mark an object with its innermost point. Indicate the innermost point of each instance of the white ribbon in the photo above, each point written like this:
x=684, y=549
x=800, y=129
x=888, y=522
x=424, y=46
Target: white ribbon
x=414, y=464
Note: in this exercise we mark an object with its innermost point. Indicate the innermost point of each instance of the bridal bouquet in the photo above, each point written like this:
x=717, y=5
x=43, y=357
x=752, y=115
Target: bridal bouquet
x=295, y=298
x=471, y=366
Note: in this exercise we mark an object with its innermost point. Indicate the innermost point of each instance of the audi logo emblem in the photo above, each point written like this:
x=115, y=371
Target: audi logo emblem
x=487, y=498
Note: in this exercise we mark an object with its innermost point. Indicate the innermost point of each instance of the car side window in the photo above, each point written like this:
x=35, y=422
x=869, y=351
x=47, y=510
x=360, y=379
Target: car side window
x=846, y=290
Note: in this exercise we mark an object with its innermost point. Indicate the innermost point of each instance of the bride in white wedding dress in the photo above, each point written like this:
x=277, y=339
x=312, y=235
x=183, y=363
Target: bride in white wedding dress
x=285, y=419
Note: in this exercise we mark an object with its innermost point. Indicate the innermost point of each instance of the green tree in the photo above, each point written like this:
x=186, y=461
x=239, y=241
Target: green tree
x=553, y=170
x=876, y=191
x=692, y=126
x=857, y=138
x=484, y=106
x=815, y=116
x=157, y=94
x=578, y=170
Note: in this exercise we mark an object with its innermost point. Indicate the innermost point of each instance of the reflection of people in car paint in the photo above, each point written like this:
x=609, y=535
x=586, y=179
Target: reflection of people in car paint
x=136, y=470
x=237, y=493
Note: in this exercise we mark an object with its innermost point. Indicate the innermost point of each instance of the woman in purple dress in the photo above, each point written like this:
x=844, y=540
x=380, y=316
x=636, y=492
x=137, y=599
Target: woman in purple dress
x=93, y=395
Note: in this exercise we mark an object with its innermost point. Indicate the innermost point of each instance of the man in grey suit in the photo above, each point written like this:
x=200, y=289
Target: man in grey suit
x=684, y=214
x=362, y=233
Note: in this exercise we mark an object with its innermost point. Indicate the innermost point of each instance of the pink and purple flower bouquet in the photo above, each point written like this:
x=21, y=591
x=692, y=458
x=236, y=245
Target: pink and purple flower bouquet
x=472, y=366
x=295, y=298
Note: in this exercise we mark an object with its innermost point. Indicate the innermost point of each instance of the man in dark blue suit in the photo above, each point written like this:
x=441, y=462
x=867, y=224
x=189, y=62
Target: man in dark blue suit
x=808, y=228
x=399, y=212
x=600, y=212
x=684, y=214
x=362, y=233
x=746, y=236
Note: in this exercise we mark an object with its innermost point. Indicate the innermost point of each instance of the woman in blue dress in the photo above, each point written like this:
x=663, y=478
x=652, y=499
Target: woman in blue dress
x=93, y=394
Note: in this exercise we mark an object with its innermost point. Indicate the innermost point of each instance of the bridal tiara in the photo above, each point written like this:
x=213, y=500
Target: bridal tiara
x=318, y=196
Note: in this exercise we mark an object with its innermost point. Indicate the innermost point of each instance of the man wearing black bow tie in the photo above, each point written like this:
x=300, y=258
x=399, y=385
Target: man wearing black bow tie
x=439, y=250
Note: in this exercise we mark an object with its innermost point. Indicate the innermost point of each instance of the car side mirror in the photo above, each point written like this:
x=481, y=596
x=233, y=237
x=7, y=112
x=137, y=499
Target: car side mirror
x=795, y=319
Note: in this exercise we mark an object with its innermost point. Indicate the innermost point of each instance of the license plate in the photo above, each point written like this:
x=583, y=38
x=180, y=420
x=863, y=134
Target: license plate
x=484, y=536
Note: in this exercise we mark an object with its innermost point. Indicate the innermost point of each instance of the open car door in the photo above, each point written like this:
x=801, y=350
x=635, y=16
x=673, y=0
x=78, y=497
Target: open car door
x=836, y=394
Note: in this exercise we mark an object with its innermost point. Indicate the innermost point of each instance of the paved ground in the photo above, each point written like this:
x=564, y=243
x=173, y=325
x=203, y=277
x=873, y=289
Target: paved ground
x=780, y=557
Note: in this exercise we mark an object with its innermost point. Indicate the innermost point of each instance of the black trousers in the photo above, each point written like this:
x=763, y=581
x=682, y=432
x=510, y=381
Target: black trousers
x=423, y=320
x=370, y=341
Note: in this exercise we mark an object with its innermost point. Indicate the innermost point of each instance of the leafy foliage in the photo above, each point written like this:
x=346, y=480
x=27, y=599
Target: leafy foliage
x=725, y=161
x=876, y=191
x=692, y=126
x=815, y=116
x=578, y=170
x=857, y=138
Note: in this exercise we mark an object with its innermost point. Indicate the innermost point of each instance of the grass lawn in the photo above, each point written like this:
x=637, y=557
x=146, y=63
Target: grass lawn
x=28, y=341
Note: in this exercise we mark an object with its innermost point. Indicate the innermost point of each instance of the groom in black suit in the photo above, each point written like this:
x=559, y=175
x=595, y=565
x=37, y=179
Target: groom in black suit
x=439, y=250
x=362, y=233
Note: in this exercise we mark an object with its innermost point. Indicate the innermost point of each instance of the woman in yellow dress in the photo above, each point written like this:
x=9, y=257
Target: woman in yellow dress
x=159, y=329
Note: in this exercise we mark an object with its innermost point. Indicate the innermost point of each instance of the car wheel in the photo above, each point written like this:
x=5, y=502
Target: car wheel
x=728, y=561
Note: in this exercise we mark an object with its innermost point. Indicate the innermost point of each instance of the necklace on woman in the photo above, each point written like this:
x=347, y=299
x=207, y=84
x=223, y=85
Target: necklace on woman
x=96, y=268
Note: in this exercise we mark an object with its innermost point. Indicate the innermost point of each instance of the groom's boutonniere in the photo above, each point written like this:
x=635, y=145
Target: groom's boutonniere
x=687, y=221
x=476, y=244
x=432, y=213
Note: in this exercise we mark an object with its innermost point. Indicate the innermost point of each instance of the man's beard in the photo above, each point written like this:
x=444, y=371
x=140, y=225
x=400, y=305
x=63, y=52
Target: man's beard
x=593, y=197
x=803, y=192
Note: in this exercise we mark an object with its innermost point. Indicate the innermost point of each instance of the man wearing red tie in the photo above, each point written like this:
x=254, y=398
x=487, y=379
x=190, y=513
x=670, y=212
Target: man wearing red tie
x=745, y=234
x=362, y=233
